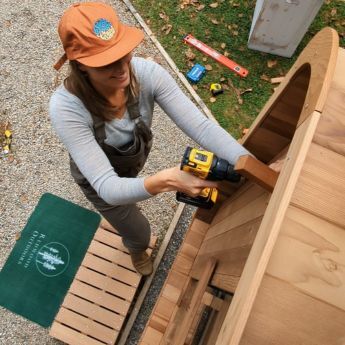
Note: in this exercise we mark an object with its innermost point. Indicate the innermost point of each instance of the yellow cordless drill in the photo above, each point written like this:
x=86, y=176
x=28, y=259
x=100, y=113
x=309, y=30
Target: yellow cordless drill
x=208, y=166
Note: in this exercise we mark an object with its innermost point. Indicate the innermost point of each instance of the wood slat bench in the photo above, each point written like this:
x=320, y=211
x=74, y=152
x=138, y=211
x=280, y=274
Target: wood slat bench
x=99, y=299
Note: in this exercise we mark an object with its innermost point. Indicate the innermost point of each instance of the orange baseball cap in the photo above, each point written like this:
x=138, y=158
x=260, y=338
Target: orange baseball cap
x=92, y=34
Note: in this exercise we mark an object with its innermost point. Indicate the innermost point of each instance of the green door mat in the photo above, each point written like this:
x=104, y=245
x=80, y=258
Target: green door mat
x=44, y=261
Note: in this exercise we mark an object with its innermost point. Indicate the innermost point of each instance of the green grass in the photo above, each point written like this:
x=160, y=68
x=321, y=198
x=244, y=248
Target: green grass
x=234, y=20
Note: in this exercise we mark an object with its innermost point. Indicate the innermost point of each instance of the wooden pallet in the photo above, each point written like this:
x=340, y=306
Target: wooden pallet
x=100, y=296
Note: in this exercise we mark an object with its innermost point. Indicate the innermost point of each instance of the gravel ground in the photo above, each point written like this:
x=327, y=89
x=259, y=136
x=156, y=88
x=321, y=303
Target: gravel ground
x=29, y=48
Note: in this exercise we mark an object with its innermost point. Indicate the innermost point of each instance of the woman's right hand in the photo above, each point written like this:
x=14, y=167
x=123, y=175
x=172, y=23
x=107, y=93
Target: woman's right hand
x=174, y=179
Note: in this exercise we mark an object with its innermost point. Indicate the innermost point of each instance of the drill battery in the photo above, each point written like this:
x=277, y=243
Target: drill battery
x=207, y=166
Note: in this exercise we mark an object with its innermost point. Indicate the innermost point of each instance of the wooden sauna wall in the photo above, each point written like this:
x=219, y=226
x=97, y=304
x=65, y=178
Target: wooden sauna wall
x=231, y=235
x=301, y=299
x=277, y=129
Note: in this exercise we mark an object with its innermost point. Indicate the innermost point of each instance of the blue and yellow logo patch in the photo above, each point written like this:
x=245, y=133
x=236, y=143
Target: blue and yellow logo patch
x=103, y=29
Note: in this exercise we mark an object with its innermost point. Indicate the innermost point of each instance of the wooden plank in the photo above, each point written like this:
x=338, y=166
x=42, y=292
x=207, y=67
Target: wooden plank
x=93, y=311
x=330, y=132
x=107, y=226
x=116, y=256
x=70, y=336
x=266, y=144
x=256, y=171
x=151, y=336
x=112, y=270
x=252, y=210
x=323, y=179
x=105, y=283
x=231, y=250
x=86, y=326
x=249, y=283
x=285, y=315
x=315, y=251
x=111, y=239
x=214, y=326
x=195, y=303
x=247, y=193
x=277, y=80
x=99, y=297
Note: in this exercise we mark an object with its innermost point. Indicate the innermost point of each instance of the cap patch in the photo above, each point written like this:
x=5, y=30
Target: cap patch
x=103, y=29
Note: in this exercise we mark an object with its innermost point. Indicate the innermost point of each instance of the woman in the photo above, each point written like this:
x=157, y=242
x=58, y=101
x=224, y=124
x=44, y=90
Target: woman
x=103, y=114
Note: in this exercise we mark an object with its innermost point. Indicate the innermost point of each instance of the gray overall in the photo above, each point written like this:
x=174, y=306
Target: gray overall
x=127, y=162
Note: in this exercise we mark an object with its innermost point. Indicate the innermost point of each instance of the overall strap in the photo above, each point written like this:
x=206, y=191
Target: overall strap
x=133, y=111
x=99, y=128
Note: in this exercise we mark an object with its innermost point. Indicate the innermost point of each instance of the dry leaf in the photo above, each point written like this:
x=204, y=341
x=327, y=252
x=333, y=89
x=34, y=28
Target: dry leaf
x=226, y=53
x=166, y=28
x=214, y=5
x=190, y=55
x=164, y=16
x=235, y=5
x=195, y=87
x=225, y=86
x=213, y=99
x=265, y=77
x=215, y=21
x=223, y=45
x=204, y=59
x=245, y=131
x=240, y=15
x=235, y=33
x=222, y=79
x=23, y=198
x=235, y=26
x=208, y=68
x=18, y=234
x=271, y=63
x=333, y=12
x=200, y=7
x=8, y=23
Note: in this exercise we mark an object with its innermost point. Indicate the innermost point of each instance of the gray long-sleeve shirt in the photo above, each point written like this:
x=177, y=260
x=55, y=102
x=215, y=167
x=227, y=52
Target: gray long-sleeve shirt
x=74, y=126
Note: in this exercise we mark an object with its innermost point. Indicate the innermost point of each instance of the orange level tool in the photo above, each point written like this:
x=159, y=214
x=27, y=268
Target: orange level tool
x=215, y=55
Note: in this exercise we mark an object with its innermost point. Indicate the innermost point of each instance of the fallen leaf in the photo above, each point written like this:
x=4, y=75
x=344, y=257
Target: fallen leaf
x=223, y=45
x=215, y=21
x=240, y=15
x=222, y=79
x=271, y=63
x=333, y=12
x=18, y=234
x=208, y=67
x=190, y=55
x=235, y=33
x=195, y=87
x=226, y=53
x=225, y=86
x=235, y=5
x=214, y=5
x=166, y=28
x=163, y=16
x=213, y=99
x=200, y=7
x=235, y=26
x=8, y=23
x=204, y=59
x=265, y=77
x=245, y=131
